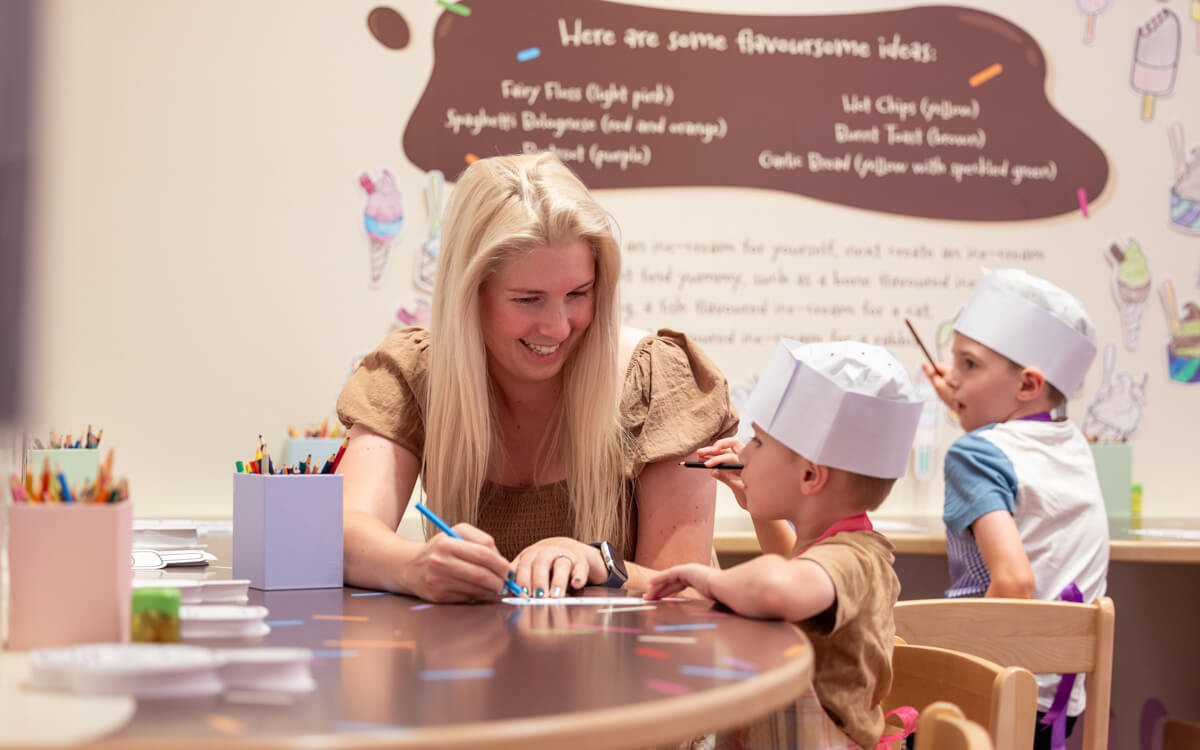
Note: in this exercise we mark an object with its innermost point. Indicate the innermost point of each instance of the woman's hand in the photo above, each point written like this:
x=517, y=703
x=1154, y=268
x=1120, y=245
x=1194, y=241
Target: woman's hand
x=726, y=451
x=458, y=570
x=553, y=566
x=673, y=580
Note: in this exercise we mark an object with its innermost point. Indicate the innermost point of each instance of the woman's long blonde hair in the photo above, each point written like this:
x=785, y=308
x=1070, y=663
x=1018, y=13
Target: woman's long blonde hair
x=503, y=207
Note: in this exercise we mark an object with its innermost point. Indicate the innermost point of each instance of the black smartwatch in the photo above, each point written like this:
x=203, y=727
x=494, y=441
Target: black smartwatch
x=615, y=565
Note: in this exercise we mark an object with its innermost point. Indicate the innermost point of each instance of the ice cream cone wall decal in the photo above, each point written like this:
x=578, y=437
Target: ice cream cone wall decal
x=1155, y=58
x=1196, y=17
x=425, y=274
x=383, y=218
x=1130, y=287
x=924, y=455
x=1183, y=346
x=1185, y=191
x=1116, y=410
x=1091, y=9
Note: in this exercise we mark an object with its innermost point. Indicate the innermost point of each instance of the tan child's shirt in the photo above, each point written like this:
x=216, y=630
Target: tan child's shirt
x=852, y=641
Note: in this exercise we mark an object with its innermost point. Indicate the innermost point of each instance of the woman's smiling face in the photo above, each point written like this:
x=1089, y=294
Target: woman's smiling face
x=535, y=308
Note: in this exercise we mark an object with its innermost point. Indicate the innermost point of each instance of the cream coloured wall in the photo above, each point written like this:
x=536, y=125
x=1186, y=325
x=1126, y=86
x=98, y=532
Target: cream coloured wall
x=198, y=260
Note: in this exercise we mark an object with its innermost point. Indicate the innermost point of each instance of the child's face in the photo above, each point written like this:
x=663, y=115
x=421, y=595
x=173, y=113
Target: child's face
x=984, y=384
x=770, y=473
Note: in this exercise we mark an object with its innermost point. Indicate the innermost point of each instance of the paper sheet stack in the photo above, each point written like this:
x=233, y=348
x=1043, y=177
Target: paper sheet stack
x=150, y=670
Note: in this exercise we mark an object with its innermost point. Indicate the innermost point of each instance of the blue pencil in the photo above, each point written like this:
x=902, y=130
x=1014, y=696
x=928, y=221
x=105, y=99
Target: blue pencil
x=436, y=521
x=64, y=488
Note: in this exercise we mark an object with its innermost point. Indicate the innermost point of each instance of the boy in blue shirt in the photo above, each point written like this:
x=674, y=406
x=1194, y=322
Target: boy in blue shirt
x=1024, y=514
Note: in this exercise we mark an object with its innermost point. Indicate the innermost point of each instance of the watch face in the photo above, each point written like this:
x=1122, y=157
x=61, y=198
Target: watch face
x=615, y=564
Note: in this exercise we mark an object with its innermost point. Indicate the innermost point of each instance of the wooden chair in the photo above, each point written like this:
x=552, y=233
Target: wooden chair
x=1181, y=735
x=1041, y=636
x=942, y=726
x=1001, y=699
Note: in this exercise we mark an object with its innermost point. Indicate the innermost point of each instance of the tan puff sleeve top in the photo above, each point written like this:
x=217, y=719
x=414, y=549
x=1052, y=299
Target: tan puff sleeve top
x=674, y=401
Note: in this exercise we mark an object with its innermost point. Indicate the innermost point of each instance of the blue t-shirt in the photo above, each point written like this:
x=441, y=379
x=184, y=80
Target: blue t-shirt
x=979, y=479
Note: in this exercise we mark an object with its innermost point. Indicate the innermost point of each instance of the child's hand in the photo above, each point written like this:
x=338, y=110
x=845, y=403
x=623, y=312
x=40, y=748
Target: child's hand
x=673, y=580
x=939, y=383
x=726, y=451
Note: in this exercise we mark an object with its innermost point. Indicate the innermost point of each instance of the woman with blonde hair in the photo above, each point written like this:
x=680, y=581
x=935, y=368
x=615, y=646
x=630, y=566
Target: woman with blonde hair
x=534, y=435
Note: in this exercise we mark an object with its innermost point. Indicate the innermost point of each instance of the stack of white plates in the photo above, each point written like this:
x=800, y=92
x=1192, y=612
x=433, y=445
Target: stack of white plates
x=221, y=621
x=190, y=591
x=198, y=590
x=283, y=670
x=235, y=591
x=160, y=670
x=144, y=670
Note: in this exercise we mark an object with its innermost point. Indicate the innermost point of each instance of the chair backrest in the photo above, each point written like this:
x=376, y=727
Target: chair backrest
x=1040, y=636
x=1181, y=735
x=1002, y=699
x=942, y=726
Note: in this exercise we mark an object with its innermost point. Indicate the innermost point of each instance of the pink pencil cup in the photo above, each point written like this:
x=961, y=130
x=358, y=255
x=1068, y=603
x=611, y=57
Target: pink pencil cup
x=69, y=573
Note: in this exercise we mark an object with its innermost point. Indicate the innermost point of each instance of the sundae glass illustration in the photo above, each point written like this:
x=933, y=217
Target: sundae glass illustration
x=1185, y=192
x=1116, y=410
x=419, y=315
x=1183, y=349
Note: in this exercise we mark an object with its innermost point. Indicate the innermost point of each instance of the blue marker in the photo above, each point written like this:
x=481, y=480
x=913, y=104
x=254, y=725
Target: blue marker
x=526, y=55
x=433, y=518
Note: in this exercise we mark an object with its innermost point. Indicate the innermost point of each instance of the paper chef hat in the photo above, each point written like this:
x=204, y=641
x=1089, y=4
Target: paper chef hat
x=842, y=404
x=1033, y=323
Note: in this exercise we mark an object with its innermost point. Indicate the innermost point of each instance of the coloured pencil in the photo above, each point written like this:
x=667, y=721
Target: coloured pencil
x=702, y=465
x=445, y=528
x=337, y=459
x=917, y=338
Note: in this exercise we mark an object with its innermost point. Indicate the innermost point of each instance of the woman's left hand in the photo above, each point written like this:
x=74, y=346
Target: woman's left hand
x=553, y=566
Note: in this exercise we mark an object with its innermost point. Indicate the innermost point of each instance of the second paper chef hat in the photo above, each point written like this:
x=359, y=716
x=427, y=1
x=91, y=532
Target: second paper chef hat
x=842, y=404
x=1033, y=323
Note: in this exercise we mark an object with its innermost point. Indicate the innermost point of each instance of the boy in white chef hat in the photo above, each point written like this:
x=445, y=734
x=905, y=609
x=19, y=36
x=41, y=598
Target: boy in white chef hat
x=1024, y=513
x=833, y=427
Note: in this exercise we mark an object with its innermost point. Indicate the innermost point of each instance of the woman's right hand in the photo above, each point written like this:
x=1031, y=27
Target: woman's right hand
x=726, y=451
x=458, y=570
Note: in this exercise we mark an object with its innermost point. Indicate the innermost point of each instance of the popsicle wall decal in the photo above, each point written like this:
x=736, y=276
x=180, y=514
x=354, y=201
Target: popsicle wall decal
x=1156, y=58
x=1091, y=8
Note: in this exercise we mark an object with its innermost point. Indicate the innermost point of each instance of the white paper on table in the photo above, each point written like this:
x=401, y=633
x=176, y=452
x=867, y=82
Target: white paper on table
x=158, y=534
x=1191, y=535
x=146, y=559
x=595, y=601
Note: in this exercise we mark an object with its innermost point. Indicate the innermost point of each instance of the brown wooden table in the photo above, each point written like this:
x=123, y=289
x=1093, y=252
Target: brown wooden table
x=528, y=677
x=926, y=535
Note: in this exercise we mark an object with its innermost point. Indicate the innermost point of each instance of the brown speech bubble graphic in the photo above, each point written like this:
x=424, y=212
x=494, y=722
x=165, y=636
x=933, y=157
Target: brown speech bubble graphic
x=936, y=112
x=388, y=27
